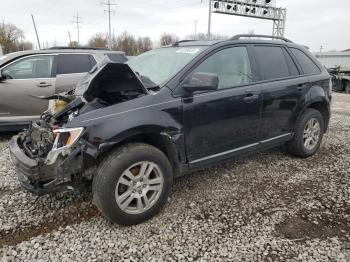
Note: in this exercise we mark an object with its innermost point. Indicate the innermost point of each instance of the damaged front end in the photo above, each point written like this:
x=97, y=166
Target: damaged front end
x=50, y=156
x=48, y=160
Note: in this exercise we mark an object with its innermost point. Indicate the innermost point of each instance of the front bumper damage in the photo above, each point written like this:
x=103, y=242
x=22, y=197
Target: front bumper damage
x=59, y=171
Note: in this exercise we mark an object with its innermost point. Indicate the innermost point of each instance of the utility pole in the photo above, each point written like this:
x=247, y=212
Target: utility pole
x=209, y=19
x=109, y=11
x=22, y=43
x=195, y=29
x=78, y=22
x=36, y=32
x=70, y=38
x=321, y=48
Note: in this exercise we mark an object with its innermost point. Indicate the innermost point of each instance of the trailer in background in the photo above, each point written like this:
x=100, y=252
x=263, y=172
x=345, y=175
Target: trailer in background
x=338, y=65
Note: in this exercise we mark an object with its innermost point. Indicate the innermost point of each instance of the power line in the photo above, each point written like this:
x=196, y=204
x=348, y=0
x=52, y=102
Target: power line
x=77, y=21
x=109, y=11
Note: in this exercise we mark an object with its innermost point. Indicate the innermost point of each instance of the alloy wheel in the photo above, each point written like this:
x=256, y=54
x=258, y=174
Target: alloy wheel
x=312, y=133
x=139, y=187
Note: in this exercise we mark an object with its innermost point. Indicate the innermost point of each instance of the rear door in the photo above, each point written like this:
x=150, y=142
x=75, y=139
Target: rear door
x=25, y=78
x=281, y=87
x=71, y=68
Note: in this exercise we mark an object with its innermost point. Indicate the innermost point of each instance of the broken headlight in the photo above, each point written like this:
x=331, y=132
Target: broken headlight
x=66, y=137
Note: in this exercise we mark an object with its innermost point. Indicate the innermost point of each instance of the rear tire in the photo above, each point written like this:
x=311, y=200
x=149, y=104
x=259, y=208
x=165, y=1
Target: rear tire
x=132, y=184
x=308, y=134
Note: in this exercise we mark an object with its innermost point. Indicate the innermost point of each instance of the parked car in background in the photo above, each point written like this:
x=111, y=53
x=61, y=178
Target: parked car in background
x=338, y=65
x=171, y=111
x=28, y=74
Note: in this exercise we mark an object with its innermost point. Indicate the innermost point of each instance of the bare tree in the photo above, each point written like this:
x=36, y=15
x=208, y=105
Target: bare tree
x=144, y=44
x=203, y=36
x=9, y=36
x=24, y=45
x=168, y=39
x=198, y=36
x=73, y=44
x=98, y=40
x=219, y=37
x=127, y=43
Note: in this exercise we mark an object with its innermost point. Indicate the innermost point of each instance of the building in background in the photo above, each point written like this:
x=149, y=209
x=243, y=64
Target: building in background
x=335, y=59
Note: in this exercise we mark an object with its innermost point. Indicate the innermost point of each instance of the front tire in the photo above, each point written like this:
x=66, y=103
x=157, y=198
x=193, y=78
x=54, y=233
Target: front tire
x=132, y=184
x=308, y=134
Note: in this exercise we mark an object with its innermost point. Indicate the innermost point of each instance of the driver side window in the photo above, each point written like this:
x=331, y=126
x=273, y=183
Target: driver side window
x=232, y=66
x=29, y=68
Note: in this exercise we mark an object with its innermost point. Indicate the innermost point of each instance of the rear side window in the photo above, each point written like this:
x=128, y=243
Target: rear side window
x=307, y=65
x=272, y=63
x=293, y=70
x=74, y=63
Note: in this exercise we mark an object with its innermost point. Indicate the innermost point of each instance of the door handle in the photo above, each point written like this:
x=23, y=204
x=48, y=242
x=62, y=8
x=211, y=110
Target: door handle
x=250, y=98
x=43, y=84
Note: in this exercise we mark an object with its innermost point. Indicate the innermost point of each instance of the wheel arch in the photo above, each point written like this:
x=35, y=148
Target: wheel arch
x=316, y=98
x=169, y=144
x=320, y=105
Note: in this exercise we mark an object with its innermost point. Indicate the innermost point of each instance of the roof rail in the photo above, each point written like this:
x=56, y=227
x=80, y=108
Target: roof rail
x=183, y=41
x=78, y=48
x=237, y=37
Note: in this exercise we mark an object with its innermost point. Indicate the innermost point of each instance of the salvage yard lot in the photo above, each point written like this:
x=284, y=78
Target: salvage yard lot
x=268, y=206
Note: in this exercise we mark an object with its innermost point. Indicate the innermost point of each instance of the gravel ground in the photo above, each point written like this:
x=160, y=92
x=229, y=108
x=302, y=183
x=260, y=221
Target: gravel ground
x=269, y=206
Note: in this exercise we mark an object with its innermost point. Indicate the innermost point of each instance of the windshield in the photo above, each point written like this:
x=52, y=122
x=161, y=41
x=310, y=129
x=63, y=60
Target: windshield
x=159, y=65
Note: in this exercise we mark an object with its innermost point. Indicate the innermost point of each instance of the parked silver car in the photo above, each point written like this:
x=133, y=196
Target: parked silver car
x=28, y=74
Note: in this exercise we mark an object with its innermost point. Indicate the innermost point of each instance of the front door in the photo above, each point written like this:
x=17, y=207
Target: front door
x=223, y=122
x=25, y=79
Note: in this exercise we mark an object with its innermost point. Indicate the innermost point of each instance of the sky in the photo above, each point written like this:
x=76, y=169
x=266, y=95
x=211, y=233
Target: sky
x=313, y=23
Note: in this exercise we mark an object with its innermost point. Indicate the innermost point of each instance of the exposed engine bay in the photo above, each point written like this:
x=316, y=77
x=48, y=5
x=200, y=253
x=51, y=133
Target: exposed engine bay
x=38, y=140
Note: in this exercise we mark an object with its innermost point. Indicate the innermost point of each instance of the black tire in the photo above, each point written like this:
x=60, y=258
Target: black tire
x=109, y=172
x=296, y=146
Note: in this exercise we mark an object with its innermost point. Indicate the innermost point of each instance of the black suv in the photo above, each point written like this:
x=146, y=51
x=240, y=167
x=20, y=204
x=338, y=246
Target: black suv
x=133, y=127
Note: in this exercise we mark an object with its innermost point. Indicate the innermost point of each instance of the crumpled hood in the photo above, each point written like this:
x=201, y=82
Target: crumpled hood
x=110, y=82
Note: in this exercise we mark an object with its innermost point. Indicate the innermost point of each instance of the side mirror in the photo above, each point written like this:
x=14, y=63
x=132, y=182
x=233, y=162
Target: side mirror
x=202, y=82
x=2, y=77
